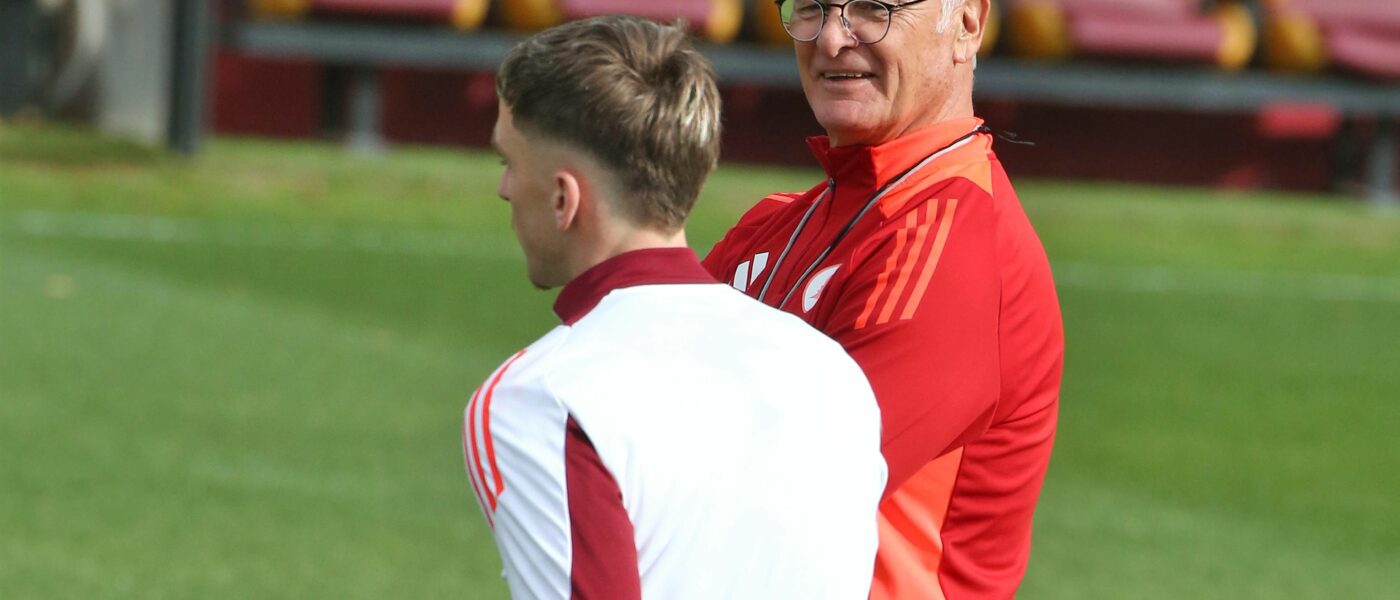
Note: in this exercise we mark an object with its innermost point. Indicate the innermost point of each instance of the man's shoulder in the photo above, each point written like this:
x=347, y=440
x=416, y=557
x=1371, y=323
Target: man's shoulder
x=978, y=190
x=756, y=225
x=527, y=370
x=631, y=326
x=767, y=208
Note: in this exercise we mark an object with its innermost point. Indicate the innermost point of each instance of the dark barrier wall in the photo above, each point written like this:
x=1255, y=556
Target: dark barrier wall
x=1288, y=148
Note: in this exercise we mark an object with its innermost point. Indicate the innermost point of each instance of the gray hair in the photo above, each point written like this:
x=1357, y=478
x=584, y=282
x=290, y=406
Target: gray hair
x=946, y=19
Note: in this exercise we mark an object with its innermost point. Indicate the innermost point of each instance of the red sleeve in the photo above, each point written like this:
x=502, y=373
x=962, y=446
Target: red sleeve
x=604, y=548
x=919, y=314
x=725, y=254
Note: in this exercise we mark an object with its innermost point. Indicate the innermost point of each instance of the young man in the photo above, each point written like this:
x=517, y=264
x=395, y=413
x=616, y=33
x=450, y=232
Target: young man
x=916, y=256
x=672, y=438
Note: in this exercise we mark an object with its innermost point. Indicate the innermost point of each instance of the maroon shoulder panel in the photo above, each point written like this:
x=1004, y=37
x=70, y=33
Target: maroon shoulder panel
x=605, y=551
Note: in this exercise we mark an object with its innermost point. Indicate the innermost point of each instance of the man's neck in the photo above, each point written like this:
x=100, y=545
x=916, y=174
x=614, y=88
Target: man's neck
x=592, y=252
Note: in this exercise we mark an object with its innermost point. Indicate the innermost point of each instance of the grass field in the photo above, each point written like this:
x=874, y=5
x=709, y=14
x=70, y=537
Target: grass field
x=241, y=377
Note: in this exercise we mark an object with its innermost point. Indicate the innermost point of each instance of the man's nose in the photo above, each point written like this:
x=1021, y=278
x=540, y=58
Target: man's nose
x=836, y=33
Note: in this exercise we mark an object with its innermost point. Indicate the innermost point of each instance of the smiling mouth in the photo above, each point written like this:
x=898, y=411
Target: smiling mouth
x=846, y=76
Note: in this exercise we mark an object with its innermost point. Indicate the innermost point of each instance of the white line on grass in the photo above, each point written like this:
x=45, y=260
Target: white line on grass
x=175, y=230
x=1079, y=275
x=1228, y=282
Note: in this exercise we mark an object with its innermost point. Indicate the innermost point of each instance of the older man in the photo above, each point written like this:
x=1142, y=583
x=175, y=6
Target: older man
x=671, y=438
x=916, y=256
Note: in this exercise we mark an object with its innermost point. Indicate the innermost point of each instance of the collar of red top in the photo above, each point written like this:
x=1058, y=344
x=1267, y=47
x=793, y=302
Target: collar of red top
x=650, y=266
x=870, y=167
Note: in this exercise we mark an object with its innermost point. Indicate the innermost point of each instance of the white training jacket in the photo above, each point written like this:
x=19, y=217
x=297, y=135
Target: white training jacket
x=675, y=439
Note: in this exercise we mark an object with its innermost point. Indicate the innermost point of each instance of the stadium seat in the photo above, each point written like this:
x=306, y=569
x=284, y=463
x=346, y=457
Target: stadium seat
x=768, y=27
x=1158, y=30
x=991, y=34
x=461, y=14
x=530, y=15
x=279, y=9
x=1362, y=36
x=715, y=20
x=1154, y=8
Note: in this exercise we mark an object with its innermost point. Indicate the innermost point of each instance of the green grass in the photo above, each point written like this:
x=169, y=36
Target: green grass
x=253, y=389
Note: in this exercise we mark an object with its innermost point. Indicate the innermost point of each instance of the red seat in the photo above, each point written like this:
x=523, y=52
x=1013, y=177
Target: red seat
x=1161, y=30
x=1376, y=15
x=1358, y=35
x=462, y=14
x=1369, y=52
x=716, y=20
x=1171, y=9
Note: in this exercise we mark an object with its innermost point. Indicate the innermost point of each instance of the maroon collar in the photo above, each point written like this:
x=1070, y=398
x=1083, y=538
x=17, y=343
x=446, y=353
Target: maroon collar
x=649, y=266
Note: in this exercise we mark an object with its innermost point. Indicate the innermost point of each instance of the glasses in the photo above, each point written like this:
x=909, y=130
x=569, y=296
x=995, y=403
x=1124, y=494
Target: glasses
x=866, y=20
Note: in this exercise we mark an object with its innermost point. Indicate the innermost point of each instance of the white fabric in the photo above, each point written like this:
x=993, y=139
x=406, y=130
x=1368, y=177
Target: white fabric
x=746, y=446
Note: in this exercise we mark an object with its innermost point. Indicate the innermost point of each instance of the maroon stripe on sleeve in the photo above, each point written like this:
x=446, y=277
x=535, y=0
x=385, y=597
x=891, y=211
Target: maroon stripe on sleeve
x=605, y=553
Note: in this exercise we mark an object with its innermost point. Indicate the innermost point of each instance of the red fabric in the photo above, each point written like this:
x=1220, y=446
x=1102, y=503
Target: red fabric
x=639, y=267
x=944, y=296
x=604, y=549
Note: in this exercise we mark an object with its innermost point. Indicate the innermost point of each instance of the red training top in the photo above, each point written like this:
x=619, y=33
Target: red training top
x=943, y=294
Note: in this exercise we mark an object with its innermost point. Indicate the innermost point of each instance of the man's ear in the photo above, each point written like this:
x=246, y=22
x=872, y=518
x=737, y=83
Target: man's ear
x=971, y=22
x=568, y=197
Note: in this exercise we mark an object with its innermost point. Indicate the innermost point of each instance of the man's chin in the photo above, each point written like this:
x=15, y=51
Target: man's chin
x=539, y=284
x=848, y=133
x=845, y=126
x=543, y=283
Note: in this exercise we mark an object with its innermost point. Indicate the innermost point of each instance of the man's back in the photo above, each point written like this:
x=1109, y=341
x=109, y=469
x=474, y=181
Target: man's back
x=741, y=447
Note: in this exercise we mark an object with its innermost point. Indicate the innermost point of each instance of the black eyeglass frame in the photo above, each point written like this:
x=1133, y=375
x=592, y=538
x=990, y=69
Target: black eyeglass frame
x=890, y=7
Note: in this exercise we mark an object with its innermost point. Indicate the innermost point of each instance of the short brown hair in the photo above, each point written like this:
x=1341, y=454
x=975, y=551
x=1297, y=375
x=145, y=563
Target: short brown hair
x=634, y=94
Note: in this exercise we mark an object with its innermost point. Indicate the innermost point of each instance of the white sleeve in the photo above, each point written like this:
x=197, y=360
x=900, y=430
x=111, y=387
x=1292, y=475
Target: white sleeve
x=514, y=448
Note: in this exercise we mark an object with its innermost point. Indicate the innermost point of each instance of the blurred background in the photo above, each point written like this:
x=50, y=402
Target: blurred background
x=252, y=265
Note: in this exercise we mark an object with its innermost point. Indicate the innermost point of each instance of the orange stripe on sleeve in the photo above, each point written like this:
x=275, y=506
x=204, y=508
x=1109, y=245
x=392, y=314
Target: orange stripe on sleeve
x=890, y=265
x=486, y=428
x=469, y=442
x=480, y=474
x=915, y=251
x=939, y=242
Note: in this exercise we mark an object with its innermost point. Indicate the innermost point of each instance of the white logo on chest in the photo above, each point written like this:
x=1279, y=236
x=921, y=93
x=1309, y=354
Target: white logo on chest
x=748, y=271
x=815, y=285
